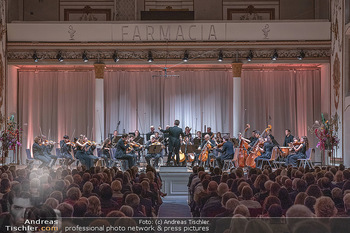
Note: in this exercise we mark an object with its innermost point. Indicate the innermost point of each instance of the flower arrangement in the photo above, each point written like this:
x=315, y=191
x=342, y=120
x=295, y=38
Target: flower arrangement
x=326, y=132
x=10, y=136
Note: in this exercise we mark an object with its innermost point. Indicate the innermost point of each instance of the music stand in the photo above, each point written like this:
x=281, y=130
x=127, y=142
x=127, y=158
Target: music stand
x=154, y=149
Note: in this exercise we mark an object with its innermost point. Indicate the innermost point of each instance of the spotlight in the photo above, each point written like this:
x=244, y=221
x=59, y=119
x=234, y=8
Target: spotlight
x=59, y=57
x=85, y=57
x=274, y=56
x=35, y=57
x=150, y=57
x=185, y=59
x=301, y=55
x=115, y=57
x=221, y=57
x=250, y=56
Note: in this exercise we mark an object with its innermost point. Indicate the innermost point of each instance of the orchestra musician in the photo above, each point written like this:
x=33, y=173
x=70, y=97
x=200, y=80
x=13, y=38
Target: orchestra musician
x=226, y=151
x=49, y=145
x=197, y=141
x=212, y=143
x=90, y=158
x=188, y=132
x=66, y=150
x=122, y=147
x=209, y=132
x=300, y=152
x=152, y=132
x=137, y=138
x=174, y=141
x=149, y=156
x=106, y=152
x=38, y=152
x=289, y=138
x=254, y=139
x=80, y=153
x=186, y=142
x=218, y=138
x=114, y=138
x=267, y=150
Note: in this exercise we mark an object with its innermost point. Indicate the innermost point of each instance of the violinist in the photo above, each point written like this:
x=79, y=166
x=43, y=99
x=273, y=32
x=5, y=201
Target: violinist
x=266, y=151
x=218, y=138
x=49, y=145
x=152, y=132
x=133, y=147
x=289, y=138
x=211, y=142
x=149, y=156
x=38, y=152
x=300, y=152
x=138, y=139
x=188, y=132
x=80, y=151
x=90, y=158
x=106, y=152
x=121, y=154
x=114, y=138
x=226, y=151
x=66, y=150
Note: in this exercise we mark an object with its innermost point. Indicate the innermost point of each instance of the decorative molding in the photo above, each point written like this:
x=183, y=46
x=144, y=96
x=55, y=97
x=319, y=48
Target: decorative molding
x=201, y=54
x=237, y=70
x=99, y=70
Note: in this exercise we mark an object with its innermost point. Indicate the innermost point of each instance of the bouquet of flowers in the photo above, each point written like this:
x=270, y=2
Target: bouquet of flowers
x=326, y=132
x=10, y=136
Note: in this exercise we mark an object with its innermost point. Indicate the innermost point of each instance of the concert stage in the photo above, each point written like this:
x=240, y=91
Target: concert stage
x=175, y=180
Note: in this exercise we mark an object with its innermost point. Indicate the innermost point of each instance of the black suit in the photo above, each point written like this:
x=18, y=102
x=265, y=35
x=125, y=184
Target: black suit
x=288, y=139
x=174, y=142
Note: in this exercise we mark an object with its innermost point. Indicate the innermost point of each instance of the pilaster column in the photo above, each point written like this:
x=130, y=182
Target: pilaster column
x=237, y=98
x=99, y=102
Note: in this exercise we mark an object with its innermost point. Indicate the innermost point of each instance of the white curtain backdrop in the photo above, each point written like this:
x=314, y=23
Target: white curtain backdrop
x=285, y=99
x=57, y=102
x=139, y=100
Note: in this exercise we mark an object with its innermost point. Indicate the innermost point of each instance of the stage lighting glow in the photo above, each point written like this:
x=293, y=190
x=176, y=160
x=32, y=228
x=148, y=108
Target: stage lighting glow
x=274, y=56
x=221, y=57
x=150, y=57
x=185, y=58
x=59, y=57
x=115, y=57
x=85, y=57
x=35, y=57
x=250, y=56
x=301, y=55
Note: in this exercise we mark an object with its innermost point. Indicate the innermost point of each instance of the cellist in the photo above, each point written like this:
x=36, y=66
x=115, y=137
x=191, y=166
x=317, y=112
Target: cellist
x=212, y=143
x=267, y=150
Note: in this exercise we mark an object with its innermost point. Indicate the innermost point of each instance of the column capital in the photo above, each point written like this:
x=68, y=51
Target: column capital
x=237, y=69
x=99, y=70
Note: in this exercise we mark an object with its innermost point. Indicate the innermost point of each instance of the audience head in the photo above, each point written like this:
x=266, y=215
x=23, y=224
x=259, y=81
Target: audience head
x=325, y=207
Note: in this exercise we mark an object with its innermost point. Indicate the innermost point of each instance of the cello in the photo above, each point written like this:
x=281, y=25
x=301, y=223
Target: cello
x=243, y=148
x=255, y=152
x=205, y=152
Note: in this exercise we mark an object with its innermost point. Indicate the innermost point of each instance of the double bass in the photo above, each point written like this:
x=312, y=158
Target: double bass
x=243, y=148
x=255, y=152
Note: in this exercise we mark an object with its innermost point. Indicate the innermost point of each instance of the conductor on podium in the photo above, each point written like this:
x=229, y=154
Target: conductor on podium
x=174, y=141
